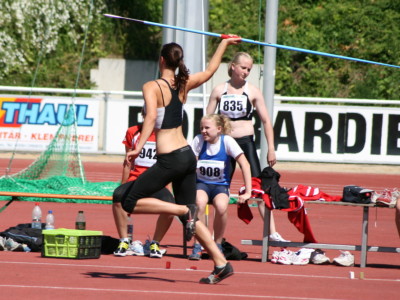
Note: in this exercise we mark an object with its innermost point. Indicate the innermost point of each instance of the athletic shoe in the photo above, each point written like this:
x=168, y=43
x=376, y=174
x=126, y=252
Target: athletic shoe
x=11, y=245
x=285, y=257
x=191, y=217
x=387, y=198
x=196, y=252
x=276, y=254
x=155, y=250
x=318, y=258
x=275, y=257
x=123, y=249
x=2, y=243
x=137, y=248
x=146, y=248
x=218, y=274
x=345, y=259
x=276, y=237
x=302, y=257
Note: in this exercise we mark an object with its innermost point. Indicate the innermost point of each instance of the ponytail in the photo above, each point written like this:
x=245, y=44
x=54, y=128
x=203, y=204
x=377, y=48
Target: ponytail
x=173, y=56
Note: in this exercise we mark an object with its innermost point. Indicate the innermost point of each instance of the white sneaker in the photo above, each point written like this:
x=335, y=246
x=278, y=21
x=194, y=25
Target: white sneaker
x=276, y=237
x=345, y=259
x=137, y=248
x=285, y=257
x=275, y=257
x=302, y=257
x=2, y=243
x=318, y=258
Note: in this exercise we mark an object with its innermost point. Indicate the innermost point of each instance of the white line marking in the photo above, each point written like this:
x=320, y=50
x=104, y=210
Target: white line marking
x=159, y=292
x=184, y=270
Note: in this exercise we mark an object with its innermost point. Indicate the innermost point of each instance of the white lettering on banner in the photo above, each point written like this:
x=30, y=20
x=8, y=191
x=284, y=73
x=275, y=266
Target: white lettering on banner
x=30, y=113
x=32, y=123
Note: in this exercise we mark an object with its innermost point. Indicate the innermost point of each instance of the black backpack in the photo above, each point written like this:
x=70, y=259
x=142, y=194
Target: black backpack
x=25, y=234
x=356, y=194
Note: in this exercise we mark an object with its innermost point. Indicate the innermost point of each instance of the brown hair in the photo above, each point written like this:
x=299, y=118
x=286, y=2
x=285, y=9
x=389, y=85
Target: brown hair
x=220, y=120
x=235, y=60
x=173, y=56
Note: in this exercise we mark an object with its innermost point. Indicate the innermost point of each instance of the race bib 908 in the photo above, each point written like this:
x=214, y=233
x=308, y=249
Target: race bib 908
x=210, y=170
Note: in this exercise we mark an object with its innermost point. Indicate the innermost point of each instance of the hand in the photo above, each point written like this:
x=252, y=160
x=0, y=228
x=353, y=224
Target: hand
x=244, y=197
x=271, y=159
x=232, y=39
x=131, y=156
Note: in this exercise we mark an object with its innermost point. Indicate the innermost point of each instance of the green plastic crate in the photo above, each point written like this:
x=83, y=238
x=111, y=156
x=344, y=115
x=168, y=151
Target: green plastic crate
x=70, y=243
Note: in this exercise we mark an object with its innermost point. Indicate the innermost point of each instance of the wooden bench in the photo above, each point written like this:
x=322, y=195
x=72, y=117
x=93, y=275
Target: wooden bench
x=364, y=247
x=16, y=195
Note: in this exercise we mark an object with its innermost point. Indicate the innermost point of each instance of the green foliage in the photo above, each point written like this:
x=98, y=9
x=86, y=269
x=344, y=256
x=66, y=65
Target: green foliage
x=365, y=29
x=241, y=17
x=135, y=41
x=50, y=34
x=360, y=29
x=41, y=41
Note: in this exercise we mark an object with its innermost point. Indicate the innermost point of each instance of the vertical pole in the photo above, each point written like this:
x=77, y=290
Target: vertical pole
x=364, y=237
x=271, y=25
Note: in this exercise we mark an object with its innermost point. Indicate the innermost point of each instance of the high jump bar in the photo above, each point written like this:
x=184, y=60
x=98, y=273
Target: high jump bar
x=224, y=36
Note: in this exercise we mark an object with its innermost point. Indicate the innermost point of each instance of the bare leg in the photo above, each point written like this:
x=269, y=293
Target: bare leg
x=221, y=202
x=201, y=202
x=163, y=224
x=261, y=209
x=156, y=206
x=203, y=235
x=120, y=219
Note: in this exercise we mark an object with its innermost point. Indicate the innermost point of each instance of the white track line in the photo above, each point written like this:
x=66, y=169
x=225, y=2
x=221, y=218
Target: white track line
x=159, y=292
x=186, y=270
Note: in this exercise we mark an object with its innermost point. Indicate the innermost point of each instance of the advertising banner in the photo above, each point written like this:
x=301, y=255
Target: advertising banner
x=30, y=123
x=319, y=133
x=326, y=133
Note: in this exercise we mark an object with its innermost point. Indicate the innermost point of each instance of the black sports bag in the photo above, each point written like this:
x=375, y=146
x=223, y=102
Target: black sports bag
x=356, y=194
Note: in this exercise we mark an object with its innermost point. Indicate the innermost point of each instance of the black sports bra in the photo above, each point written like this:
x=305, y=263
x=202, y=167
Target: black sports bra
x=170, y=116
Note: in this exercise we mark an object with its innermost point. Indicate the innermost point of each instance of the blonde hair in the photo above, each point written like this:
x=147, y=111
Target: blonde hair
x=235, y=60
x=220, y=120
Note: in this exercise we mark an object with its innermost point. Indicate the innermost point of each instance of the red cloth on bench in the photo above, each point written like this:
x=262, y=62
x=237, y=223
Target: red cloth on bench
x=296, y=212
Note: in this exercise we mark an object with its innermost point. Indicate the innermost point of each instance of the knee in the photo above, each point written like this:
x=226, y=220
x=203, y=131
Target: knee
x=117, y=195
x=127, y=205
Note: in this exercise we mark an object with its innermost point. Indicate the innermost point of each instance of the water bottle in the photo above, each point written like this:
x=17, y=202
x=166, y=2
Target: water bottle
x=50, y=220
x=129, y=228
x=80, y=222
x=37, y=217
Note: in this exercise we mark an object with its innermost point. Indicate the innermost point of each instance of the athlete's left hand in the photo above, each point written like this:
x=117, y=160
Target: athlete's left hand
x=244, y=197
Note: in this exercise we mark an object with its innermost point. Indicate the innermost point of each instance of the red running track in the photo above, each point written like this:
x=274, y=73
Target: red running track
x=30, y=275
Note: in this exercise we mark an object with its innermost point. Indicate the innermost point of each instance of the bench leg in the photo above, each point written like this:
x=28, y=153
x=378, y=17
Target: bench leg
x=364, y=237
x=184, y=243
x=265, y=240
x=13, y=198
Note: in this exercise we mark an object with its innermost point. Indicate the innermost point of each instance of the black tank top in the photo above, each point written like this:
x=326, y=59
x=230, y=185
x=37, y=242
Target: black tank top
x=170, y=116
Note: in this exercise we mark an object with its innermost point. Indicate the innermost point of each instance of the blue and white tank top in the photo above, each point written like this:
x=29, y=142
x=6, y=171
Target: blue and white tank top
x=214, y=169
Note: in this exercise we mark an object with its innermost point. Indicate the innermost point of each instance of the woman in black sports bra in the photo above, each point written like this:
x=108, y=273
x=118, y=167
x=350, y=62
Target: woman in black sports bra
x=237, y=99
x=176, y=162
